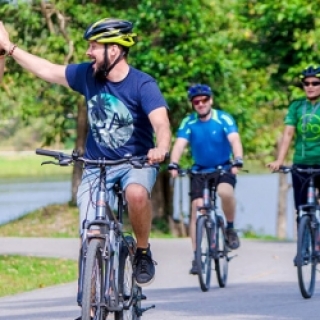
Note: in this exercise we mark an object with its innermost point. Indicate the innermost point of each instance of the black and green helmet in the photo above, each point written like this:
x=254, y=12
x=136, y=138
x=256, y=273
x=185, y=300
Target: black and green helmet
x=310, y=71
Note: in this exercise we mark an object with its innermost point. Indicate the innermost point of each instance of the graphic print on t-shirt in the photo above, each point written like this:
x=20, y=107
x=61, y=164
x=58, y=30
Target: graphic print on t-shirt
x=309, y=126
x=110, y=120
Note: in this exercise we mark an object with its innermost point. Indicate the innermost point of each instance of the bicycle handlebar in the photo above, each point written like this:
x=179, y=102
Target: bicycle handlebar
x=67, y=159
x=219, y=169
x=287, y=169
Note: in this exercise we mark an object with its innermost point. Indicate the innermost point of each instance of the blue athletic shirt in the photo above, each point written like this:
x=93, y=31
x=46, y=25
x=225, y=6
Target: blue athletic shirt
x=208, y=140
x=117, y=111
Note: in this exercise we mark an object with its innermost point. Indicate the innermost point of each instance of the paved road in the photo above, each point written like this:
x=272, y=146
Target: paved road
x=262, y=285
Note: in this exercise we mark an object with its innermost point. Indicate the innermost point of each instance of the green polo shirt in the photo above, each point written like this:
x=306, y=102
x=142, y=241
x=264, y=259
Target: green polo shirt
x=305, y=117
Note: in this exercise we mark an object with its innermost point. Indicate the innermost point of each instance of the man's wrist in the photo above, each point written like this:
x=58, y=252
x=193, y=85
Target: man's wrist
x=173, y=166
x=238, y=162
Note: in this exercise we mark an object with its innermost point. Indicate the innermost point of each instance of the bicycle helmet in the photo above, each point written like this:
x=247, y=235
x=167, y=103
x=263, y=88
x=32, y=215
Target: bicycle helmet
x=111, y=30
x=310, y=71
x=199, y=90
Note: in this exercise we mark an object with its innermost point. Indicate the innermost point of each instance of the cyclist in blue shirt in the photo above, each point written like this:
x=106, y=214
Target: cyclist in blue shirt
x=213, y=137
x=125, y=108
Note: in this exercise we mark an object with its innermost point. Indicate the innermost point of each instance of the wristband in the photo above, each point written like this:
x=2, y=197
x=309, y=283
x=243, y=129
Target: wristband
x=238, y=162
x=173, y=166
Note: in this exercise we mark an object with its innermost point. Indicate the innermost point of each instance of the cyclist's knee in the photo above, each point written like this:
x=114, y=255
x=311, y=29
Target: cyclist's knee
x=226, y=192
x=136, y=193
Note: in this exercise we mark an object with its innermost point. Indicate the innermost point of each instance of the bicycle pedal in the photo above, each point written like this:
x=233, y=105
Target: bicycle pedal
x=229, y=258
x=140, y=311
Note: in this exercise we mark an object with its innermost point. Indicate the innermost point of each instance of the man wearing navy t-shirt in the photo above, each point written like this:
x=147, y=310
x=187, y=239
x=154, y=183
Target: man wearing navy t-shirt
x=214, y=141
x=125, y=108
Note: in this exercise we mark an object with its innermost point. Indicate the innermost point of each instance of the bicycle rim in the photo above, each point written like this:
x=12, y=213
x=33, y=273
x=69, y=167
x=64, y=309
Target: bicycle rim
x=127, y=286
x=221, y=257
x=306, y=262
x=93, y=284
x=203, y=258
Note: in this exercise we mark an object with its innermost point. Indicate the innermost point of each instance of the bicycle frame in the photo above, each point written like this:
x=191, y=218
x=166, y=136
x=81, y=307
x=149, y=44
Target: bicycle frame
x=308, y=241
x=312, y=207
x=107, y=227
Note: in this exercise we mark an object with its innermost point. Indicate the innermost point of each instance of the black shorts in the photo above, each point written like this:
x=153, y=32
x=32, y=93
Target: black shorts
x=197, y=182
x=300, y=182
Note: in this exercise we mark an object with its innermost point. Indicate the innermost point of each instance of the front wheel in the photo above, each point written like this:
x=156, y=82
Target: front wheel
x=306, y=261
x=221, y=255
x=203, y=258
x=128, y=289
x=93, y=283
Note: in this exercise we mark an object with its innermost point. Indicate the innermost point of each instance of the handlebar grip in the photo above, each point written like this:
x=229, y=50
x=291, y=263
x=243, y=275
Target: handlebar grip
x=48, y=153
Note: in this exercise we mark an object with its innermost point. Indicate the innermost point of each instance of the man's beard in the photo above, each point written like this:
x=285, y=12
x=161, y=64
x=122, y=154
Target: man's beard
x=100, y=73
x=204, y=115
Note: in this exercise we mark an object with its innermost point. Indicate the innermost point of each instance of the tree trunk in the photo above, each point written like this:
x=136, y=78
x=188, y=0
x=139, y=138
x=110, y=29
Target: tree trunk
x=162, y=196
x=283, y=187
x=282, y=207
x=162, y=205
x=82, y=129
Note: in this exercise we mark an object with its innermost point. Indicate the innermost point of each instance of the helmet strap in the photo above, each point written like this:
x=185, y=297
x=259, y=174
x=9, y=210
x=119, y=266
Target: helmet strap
x=107, y=67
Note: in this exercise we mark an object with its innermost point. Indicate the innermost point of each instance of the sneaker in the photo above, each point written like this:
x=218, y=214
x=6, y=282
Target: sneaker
x=79, y=318
x=143, y=267
x=233, y=241
x=194, y=268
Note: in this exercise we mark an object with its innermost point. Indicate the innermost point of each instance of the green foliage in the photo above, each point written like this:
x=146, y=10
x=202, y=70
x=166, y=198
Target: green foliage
x=249, y=52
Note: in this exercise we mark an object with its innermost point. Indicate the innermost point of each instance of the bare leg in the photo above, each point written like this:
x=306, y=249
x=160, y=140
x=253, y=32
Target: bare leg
x=228, y=202
x=192, y=228
x=140, y=215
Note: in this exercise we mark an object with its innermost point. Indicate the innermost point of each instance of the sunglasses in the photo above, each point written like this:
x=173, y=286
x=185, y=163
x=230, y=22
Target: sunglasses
x=311, y=83
x=203, y=100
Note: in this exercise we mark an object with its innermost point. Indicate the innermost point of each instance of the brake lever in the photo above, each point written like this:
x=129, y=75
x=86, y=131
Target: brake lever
x=49, y=162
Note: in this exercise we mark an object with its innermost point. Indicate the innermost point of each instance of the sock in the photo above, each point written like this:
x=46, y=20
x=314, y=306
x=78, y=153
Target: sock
x=142, y=250
x=230, y=225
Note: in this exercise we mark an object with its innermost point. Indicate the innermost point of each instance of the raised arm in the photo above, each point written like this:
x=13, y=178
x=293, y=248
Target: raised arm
x=2, y=61
x=40, y=67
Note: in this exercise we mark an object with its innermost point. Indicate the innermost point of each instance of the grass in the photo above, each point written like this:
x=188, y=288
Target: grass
x=23, y=273
x=55, y=221
x=61, y=221
x=29, y=165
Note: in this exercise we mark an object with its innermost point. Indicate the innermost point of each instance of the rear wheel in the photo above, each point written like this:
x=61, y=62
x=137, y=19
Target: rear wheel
x=93, y=283
x=127, y=286
x=203, y=258
x=221, y=257
x=306, y=261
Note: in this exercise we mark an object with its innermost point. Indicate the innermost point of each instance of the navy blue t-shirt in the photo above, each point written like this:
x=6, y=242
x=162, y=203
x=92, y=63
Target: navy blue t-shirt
x=117, y=111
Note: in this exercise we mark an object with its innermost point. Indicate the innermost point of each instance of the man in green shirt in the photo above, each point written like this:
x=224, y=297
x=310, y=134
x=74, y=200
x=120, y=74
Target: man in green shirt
x=302, y=122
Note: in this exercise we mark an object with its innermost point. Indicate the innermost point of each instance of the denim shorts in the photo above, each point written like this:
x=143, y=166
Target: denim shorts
x=123, y=174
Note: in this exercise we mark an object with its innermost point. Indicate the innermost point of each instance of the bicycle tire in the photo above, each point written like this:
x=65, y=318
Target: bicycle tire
x=221, y=257
x=203, y=257
x=93, y=283
x=127, y=284
x=306, y=262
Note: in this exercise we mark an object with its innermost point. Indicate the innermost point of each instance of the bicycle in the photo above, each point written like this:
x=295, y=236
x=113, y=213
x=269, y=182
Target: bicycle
x=308, y=241
x=106, y=283
x=211, y=237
